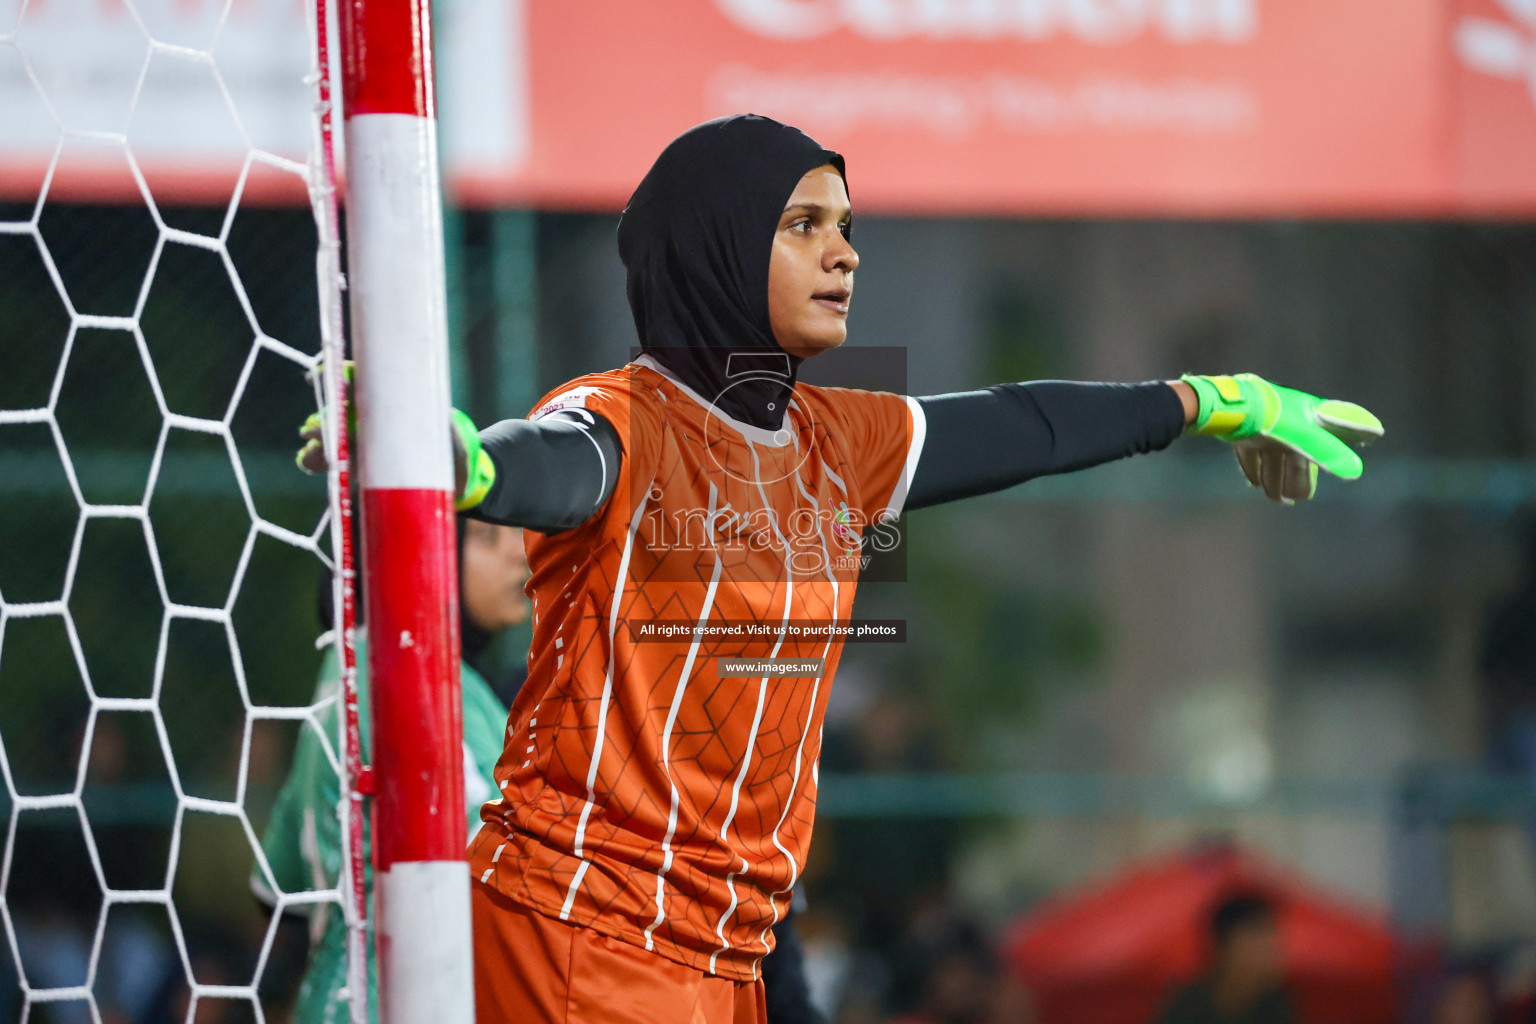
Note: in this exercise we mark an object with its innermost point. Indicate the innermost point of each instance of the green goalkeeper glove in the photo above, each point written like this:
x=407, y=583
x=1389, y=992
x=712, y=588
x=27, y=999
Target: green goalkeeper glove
x=473, y=471
x=1281, y=435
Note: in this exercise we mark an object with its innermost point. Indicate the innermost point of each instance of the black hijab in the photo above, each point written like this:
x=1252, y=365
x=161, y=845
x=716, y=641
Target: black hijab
x=695, y=240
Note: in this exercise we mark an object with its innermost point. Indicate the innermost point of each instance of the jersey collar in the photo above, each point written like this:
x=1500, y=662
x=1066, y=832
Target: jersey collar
x=757, y=435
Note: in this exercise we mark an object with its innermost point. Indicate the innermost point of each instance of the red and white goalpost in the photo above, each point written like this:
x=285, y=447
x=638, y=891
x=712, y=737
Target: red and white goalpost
x=159, y=104
x=400, y=343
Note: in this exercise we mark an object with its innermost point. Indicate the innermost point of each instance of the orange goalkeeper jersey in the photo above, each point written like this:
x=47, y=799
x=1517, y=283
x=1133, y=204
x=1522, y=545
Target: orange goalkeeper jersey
x=644, y=794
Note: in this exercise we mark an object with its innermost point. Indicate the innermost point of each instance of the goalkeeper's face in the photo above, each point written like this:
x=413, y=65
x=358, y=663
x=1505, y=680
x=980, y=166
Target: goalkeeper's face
x=810, y=273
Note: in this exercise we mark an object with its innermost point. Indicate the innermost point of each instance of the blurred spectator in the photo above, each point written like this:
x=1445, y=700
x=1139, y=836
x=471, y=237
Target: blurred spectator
x=10, y=990
x=827, y=957
x=1507, y=673
x=878, y=871
x=134, y=955
x=216, y=959
x=785, y=984
x=303, y=841
x=1466, y=998
x=55, y=953
x=1245, y=984
x=56, y=909
x=496, y=594
x=1507, y=666
x=1480, y=988
x=957, y=978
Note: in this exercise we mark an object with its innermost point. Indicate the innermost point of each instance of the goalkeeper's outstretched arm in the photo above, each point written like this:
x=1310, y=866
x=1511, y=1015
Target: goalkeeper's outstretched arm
x=983, y=441
x=555, y=473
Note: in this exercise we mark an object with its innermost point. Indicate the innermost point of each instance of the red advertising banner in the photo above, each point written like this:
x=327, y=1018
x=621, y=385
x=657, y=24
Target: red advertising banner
x=1492, y=116
x=1229, y=108
x=1151, y=107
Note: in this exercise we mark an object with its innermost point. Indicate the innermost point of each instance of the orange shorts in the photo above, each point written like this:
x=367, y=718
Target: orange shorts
x=532, y=969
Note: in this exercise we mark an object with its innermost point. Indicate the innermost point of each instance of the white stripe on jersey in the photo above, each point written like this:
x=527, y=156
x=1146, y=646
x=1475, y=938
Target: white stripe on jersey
x=914, y=452
x=762, y=697
x=730, y=883
x=831, y=476
x=794, y=786
x=602, y=713
x=666, y=732
x=570, y=894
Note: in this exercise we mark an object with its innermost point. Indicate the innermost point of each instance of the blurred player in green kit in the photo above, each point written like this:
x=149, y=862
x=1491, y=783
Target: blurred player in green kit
x=302, y=841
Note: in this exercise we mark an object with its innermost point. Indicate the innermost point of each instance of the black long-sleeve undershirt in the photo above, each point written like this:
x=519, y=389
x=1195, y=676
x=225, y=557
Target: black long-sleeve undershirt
x=984, y=441
x=554, y=473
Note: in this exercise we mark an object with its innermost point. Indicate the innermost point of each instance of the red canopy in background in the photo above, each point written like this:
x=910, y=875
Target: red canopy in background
x=1113, y=954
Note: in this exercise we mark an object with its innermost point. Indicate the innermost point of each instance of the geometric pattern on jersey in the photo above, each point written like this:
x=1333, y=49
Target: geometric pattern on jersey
x=643, y=795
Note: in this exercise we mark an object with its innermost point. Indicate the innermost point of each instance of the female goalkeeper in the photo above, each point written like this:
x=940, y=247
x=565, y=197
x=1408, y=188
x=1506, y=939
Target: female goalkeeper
x=698, y=506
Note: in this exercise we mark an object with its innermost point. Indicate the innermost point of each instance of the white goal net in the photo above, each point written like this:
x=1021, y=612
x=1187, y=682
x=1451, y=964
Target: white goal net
x=168, y=287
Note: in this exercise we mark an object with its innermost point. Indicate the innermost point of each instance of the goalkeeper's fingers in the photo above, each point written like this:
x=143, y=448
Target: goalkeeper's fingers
x=1297, y=477
x=1286, y=476
x=1315, y=442
x=1348, y=421
x=1251, y=462
x=311, y=458
x=311, y=455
